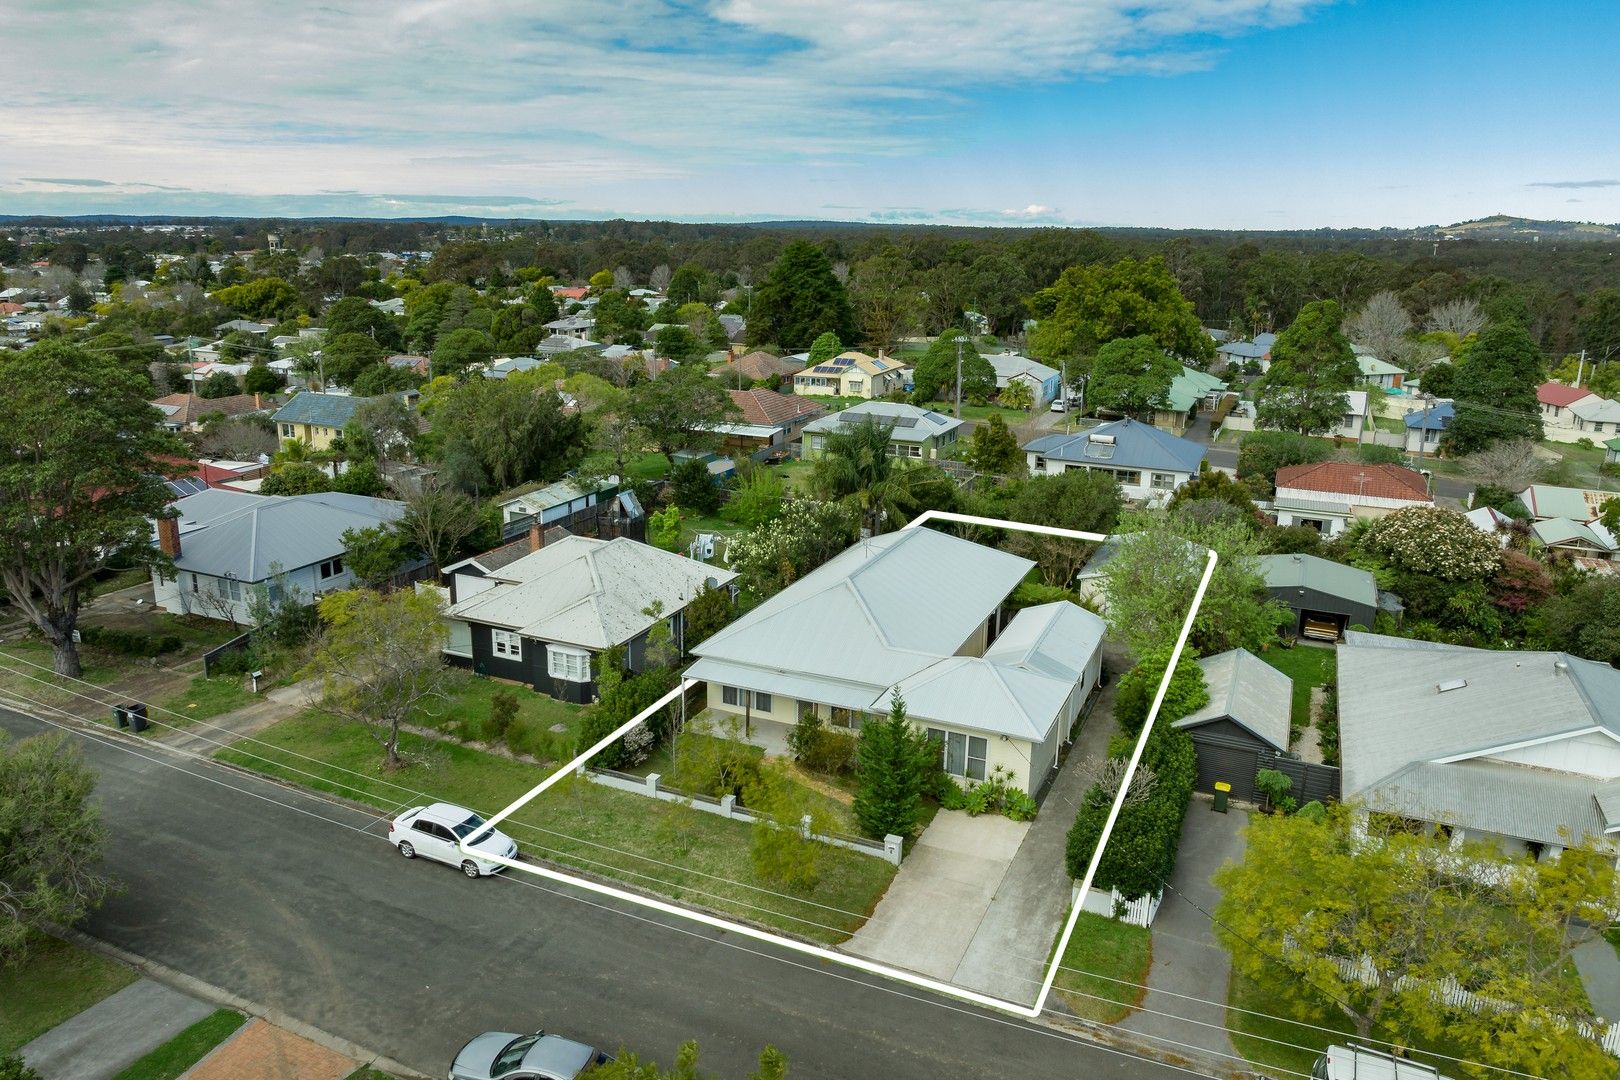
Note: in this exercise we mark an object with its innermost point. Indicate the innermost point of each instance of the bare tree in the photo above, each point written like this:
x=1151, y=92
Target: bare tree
x=1111, y=773
x=841, y=272
x=239, y=438
x=658, y=280
x=439, y=518
x=1420, y=355
x=1382, y=325
x=1512, y=464
x=1460, y=317
x=623, y=278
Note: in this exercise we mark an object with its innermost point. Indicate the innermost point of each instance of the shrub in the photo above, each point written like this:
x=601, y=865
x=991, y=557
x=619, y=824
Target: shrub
x=130, y=644
x=1431, y=540
x=1274, y=785
x=1141, y=853
x=1374, y=454
x=617, y=706
x=1185, y=695
x=13, y=1067
x=1262, y=453
x=821, y=749
x=503, y=709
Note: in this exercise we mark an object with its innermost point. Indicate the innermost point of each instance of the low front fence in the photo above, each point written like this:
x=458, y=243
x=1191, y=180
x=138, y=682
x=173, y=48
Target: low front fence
x=1113, y=904
x=887, y=849
x=212, y=656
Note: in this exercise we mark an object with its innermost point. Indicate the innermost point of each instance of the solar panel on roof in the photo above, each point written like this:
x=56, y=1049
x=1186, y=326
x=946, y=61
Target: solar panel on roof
x=843, y=361
x=904, y=421
x=827, y=370
x=1100, y=451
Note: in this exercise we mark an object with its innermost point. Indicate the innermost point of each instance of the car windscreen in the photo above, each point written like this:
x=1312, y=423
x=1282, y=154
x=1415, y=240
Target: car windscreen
x=511, y=1057
x=468, y=826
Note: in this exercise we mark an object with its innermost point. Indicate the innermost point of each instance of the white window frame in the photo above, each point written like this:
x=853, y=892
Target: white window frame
x=1163, y=481
x=288, y=431
x=507, y=644
x=568, y=664
x=972, y=766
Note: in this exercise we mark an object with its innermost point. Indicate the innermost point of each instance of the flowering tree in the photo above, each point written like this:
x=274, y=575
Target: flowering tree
x=1441, y=543
x=778, y=553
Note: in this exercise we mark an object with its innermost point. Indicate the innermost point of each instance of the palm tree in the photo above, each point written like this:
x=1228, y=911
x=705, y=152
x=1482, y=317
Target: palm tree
x=857, y=467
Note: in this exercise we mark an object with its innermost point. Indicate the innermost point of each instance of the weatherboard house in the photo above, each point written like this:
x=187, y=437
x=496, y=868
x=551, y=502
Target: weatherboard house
x=1148, y=463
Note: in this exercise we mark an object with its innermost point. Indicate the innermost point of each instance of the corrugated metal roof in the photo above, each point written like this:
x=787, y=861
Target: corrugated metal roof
x=1434, y=418
x=249, y=537
x=1250, y=692
x=322, y=410
x=1135, y=446
x=1371, y=365
x=911, y=424
x=1057, y=639
x=1551, y=531
x=1577, y=504
x=1191, y=386
x=1322, y=575
x=1608, y=800
x=1492, y=796
x=588, y=592
x=1007, y=365
x=971, y=692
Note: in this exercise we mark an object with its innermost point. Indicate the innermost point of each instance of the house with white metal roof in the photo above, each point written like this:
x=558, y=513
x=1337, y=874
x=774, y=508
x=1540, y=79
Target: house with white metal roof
x=915, y=432
x=545, y=618
x=1519, y=749
x=1596, y=417
x=228, y=545
x=1148, y=463
x=992, y=690
x=1045, y=383
x=1376, y=372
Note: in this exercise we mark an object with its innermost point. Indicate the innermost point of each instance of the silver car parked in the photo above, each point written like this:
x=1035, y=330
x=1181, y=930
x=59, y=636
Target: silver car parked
x=503, y=1055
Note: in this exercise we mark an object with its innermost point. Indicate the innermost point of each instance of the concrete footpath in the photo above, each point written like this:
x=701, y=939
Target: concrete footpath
x=1600, y=974
x=104, y=1039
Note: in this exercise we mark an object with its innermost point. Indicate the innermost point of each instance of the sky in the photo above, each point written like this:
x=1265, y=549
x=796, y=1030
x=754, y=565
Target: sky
x=1227, y=114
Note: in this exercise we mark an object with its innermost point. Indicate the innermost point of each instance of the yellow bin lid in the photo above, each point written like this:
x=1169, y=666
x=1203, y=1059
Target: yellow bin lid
x=1222, y=785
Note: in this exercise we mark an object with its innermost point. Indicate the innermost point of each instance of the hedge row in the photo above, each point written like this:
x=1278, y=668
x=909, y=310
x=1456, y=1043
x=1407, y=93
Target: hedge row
x=129, y=644
x=1141, y=852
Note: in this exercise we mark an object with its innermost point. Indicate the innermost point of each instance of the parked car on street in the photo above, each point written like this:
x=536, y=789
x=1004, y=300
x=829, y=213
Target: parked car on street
x=1359, y=1063
x=436, y=832
x=495, y=1055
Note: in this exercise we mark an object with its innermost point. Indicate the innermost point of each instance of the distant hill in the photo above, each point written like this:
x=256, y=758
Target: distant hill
x=1508, y=227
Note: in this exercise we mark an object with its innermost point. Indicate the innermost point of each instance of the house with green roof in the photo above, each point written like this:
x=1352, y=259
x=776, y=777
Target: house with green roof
x=1187, y=392
x=1376, y=372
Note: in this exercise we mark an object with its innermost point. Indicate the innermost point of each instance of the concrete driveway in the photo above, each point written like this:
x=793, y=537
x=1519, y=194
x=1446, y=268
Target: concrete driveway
x=927, y=919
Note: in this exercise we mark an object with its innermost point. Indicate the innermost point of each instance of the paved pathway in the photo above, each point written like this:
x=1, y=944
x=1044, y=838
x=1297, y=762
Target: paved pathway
x=1186, y=958
x=105, y=1038
x=1008, y=954
x=1600, y=974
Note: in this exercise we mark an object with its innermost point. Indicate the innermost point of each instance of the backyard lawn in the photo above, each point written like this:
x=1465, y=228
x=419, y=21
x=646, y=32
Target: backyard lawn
x=175, y=1057
x=1117, y=955
x=1309, y=667
x=55, y=982
x=660, y=847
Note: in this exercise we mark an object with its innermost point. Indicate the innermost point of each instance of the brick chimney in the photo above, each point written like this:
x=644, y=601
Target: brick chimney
x=168, y=531
x=537, y=534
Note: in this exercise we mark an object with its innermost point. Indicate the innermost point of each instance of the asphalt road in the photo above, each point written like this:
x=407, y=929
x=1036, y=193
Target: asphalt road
x=299, y=904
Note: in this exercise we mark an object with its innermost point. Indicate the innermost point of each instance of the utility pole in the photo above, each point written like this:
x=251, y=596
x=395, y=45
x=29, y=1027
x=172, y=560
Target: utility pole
x=1423, y=434
x=1580, y=368
x=1064, y=390
x=959, y=378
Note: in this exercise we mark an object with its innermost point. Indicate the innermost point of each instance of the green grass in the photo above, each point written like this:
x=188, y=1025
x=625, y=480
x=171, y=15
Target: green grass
x=20, y=669
x=684, y=777
x=1309, y=667
x=366, y=1072
x=180, y=1053
x=660, y=847
x=208, y=698
x=466, y=714
x=649, y=466
x=1110, y=948
x=56, y=981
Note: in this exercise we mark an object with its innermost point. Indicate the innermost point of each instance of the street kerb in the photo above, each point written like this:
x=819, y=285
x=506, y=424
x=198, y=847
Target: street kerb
x=830, y=955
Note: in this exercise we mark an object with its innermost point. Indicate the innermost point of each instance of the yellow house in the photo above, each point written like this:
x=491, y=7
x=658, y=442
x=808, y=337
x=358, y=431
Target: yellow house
x=315, y=419
x=851, y=374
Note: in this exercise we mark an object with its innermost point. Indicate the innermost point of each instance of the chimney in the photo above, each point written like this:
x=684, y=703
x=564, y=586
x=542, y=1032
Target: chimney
x=537, y=534
x=1560, y=667
x=168, y=531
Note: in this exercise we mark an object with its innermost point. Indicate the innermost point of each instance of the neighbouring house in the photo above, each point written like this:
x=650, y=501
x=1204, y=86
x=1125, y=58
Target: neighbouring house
x=394, y=305
x=551, y=503
x=185, y=412
x=917, y=432
x=556, y=344
x=851, y=374
x=1546, y=501
x=1611, y=452
x=1517, y=749
x=1090, y=583
x=760, y=366
x=1328, y=494
x=1148, y=463
x=577, y=325
x=991, y=691
x=1326, y=598
x=229, y=545
x=411, y=362
x=1492, y=522
x=1555, y=399
x=735, y=326
x=570, y=292
x=510, y=365
x=1246, y=719
x=770, y=421
x=1189, y=391
x=1596, y=417
x=1425, y=427
x=316, y=419
x=1045, y=383
x=243, y=326
x=1574, y=539
x=1376, y=372
x=1355, y=419
x=544, y=617
x=204, y=473
x=1240, y=354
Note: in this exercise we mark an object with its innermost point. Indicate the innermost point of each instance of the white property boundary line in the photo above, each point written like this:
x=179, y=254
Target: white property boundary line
x=847, y=959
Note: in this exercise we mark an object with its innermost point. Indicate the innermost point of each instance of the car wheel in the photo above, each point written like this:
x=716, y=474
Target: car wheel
x=470, y=868
x=406, y=849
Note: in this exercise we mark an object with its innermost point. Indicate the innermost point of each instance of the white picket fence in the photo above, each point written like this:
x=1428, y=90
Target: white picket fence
x=1113, y=904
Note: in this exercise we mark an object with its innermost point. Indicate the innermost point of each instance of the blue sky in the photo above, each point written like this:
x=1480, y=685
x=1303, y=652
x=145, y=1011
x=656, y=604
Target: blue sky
x=1190, y=113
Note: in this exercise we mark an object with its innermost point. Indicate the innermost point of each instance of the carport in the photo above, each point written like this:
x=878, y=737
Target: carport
x=1327, y=598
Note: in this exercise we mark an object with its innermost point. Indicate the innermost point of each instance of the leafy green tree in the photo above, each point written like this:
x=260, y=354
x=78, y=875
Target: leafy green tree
x=266, y=298
x=680, y=345
x=13, y=1067
x=780, y=552
x=626, y=1066
x=664, y=528
x=885, y=299
x=1584, y=620
x=934, y=375
x=618, y=316
x=514, y=432
x=461, y=349
x=693, y=486
x=1495, y=391
x=355, y=315
x=1090, y=305
x=1599, y=324
x=375, y=554
x=994, y=449
x=441, y=521
x=1078, y=499
x=1215, y=485
x=218, y=384
x=800, y=299
x=344, y=359
x=998, y=285
x=1141, y=852
x=856, y=466
x=704, y=323
x=1132, y=376
x=382, y=379
x=1312, y=365
x=681, y=409
x=81, y=467
x=379, y=661
x=261, y=380
x=690, y=284
x=1262, y=453
x=1310, y=894
x=1186, y=694
x=295, y=478
x=707, y=612
x=51, y=838
x=758, y=499
x=895, y=763
x=824, y=348
x=1017, y=395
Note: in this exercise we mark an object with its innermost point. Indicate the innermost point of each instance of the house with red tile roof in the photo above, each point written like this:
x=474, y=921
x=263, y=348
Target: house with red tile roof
x=761, y=366
x=770, y=421
x=1330, y=494
x=1555, y=399
x=184, y=412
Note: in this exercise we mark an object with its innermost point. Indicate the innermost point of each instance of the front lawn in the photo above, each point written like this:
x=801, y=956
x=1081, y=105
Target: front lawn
x=207, y=698
x=56, y=981
x=466, y=716
x=26, y=672
x=1309, y=667
x=175, y=1057
x=1117, y=957
x=660, y=847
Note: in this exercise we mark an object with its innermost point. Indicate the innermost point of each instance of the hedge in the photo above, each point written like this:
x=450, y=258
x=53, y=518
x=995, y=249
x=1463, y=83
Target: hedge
x=620, y=704
x=129, y=644
x=1141, y=853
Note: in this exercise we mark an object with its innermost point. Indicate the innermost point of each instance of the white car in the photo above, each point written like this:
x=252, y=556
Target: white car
x=435, y=832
